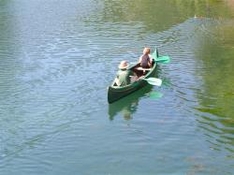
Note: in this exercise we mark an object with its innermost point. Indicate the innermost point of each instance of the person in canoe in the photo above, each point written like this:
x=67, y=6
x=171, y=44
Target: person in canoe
x=145, y=59
x=124, y=75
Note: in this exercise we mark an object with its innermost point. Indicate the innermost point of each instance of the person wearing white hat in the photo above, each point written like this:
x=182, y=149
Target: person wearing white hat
x=124, y=75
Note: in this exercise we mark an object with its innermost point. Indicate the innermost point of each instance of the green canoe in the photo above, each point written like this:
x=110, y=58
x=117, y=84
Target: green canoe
x=116, y=92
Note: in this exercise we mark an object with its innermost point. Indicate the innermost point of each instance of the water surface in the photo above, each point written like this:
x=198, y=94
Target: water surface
x=57, y=59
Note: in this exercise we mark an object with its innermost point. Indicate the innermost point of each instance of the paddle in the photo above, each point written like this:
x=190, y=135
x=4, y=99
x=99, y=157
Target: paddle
x=163, y=59
x=153, y=81
x=160, y=59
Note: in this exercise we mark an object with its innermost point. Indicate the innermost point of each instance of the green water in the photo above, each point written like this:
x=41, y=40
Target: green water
x=57, y=59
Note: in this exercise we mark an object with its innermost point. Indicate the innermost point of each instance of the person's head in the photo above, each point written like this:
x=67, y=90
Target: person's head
x=146, y=50
x=123, y=65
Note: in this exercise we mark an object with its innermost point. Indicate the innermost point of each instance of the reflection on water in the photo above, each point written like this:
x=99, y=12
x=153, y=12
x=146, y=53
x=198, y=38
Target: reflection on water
x=215, y=96
x=128, y=105
x=219, y=130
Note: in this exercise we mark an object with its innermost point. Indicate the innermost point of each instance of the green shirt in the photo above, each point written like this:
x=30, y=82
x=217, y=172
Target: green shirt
x=124, y=77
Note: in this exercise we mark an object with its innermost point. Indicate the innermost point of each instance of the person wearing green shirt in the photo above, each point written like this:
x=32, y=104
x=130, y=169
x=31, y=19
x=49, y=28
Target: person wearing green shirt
x=124, y=75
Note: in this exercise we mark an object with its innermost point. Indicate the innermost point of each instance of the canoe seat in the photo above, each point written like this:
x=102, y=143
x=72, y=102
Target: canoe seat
x=143, y=69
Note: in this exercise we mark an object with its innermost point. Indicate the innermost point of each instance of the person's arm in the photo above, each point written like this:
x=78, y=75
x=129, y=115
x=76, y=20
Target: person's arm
x=150, y=60
x=133, y=76
x=117, y=81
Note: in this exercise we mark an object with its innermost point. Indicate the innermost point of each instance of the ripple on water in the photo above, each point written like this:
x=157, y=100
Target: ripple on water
x=217, y=128
x=186, y=85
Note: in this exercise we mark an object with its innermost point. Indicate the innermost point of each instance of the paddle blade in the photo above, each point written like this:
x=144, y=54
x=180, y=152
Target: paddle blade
x=154, y=81
x=160, y=59
x=163, y=59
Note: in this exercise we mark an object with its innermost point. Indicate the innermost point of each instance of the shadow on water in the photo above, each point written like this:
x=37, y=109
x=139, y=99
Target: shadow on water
x=128, y=105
